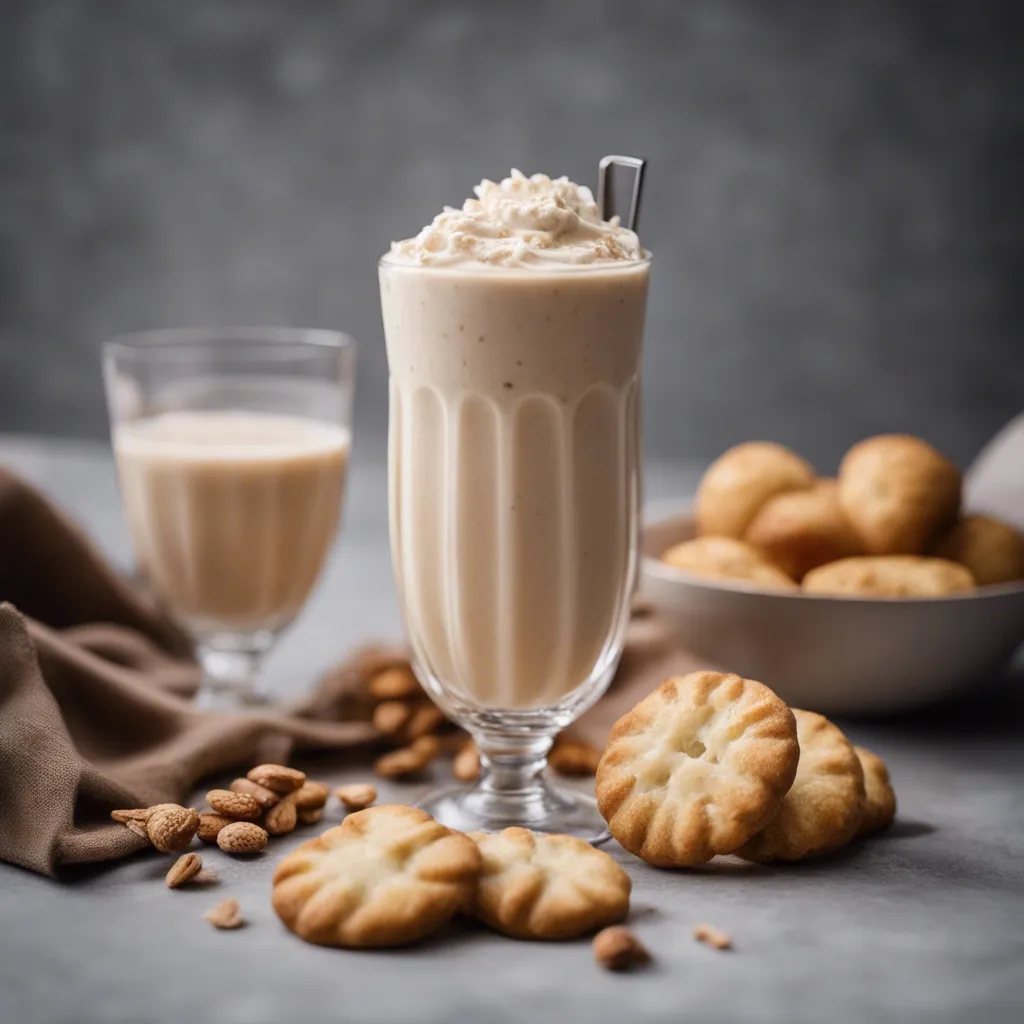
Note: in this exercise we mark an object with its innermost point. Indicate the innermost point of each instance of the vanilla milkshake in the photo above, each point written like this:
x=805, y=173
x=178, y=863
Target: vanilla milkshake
x=231, y=513
x=513, y=330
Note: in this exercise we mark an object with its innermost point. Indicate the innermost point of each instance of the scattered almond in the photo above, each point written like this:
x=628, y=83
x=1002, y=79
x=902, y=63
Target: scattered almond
x=138, y=828
x=312, y=796
x=428, y=747
x=237, y=806
x=266, y=797
x=207, y=877
x=184, y=869
x=242, y=837
x=399, y=763
x=277, y=777
x=466, y=763
x=172, y=828
x=572, y=757
x=281, y=819
x=227, y=914
x=618, y=949
x=356, y=796
x=210, y=825
x=139, y=814
x=425, y=720
x=311, y=816
x=390, y=716
x=711, y=936
x=394, y=684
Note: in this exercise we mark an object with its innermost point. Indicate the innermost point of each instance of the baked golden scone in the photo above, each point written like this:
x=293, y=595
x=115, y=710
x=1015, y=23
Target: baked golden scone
x=800, y=530
x=992, y=550
x=825, y=806
x=889, y=576
x=386, y=876
x=880, y=805
x=741, y=480
x=898, y=493
x=726, y=559
x=547, y=886
x=696, y=768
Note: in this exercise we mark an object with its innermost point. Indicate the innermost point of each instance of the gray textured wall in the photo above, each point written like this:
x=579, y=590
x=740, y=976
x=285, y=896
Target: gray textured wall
x=834, y=199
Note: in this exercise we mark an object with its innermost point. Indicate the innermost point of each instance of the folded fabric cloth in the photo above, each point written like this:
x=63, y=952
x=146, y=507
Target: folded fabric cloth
x=95, y=688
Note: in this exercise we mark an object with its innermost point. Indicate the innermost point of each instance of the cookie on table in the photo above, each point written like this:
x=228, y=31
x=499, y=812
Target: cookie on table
x=992, y=550
x=697, y=768
x=800, y=530
x=889, y=576
x=386, y=876
x=741, y=480
x=825, y=806
x=880, y=805
x=723, y=558
x=547, y=886
x=898, y=493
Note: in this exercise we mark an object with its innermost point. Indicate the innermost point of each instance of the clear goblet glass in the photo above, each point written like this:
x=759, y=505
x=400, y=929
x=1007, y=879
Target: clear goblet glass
x=231, y=448
x=514, y=461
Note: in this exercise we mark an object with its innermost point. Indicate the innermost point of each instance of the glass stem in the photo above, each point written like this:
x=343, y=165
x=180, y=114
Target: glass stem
x=511, y=765
x=232, y=671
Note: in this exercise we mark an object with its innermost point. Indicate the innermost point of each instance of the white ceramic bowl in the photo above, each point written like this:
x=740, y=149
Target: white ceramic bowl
x=836, y=655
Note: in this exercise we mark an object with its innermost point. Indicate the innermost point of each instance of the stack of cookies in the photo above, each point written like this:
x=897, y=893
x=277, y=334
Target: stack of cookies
x=711, y=764
x=889, y=525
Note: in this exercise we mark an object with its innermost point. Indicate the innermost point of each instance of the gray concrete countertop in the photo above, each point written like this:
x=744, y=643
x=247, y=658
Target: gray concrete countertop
x=924, y=924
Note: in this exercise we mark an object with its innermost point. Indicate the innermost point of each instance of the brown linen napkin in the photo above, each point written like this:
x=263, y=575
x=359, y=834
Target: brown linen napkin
x=94, y=713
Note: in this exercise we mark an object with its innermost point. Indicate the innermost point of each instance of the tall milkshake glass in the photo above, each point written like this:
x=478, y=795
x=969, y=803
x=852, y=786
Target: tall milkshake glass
x=514, y=332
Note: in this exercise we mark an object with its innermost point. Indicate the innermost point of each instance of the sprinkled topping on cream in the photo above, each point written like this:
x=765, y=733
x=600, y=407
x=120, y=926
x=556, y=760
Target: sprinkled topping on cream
x=522, y=222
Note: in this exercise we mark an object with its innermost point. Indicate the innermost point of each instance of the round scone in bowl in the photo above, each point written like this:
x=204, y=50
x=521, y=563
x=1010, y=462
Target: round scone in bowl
x=839, y=655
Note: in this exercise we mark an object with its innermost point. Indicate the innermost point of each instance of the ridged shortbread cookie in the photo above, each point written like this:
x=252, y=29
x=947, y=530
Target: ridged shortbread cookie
x=696, y=768
x=880, y=805
x=384, y=877
x=889, y=576
x=899, y=493
x=741, y=480
x=728, y=559
x=547, y=886
x=825, y=806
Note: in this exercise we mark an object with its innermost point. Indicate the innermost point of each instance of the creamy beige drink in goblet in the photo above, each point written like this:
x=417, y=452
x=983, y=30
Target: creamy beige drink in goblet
x=514, y=331
x=231, y=447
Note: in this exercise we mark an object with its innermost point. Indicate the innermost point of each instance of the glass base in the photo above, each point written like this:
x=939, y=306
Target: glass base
x=542, y=808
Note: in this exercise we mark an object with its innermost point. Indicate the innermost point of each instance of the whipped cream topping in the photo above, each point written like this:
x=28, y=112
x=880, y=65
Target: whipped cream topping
x=523, y=222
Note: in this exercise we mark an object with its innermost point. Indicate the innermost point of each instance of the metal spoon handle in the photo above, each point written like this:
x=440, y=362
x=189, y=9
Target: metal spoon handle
x=605, y=180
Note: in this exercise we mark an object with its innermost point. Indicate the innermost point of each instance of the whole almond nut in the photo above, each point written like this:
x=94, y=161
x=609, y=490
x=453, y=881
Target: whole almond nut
x=311, y=816
x=277, y=777
x=281, y=819
x=466, y=763
x=139, y=814
x=401, y=762
x=572, y=757
x=137, y=828
x=394, y=684
x=617, y=949
x=210, y=826
x=266, y=797
x=712, y=936
x=356, y=796
x=172, y=828
x=311, y=797
x=428, y=747
x=184, y=869
x=238, y=806
x=390, y=716
x=242, y=837
x=425, y=720
x=227, y=914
